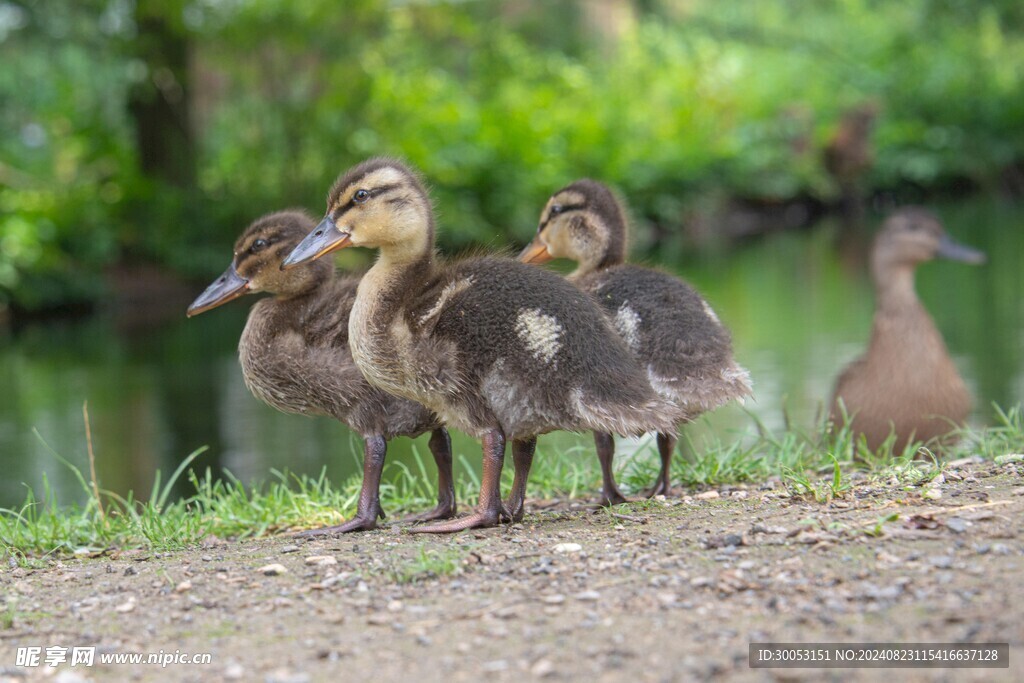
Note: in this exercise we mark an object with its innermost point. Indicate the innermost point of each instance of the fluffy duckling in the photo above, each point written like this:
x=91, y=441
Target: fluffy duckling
x=295, y=356
x=906, y=384
x=495, y=348
x=668, y=327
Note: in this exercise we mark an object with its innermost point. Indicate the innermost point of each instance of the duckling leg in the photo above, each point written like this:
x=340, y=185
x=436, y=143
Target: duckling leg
x=522, y=458
x=368, y=510
x=610, y=494
x=490, y=509
x=666, y=447
x=441, y=447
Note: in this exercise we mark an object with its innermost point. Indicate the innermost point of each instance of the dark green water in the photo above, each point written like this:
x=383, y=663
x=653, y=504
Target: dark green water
x=797, y=310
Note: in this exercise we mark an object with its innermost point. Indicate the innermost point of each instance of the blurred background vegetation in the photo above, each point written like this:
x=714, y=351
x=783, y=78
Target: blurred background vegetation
x=150, y=132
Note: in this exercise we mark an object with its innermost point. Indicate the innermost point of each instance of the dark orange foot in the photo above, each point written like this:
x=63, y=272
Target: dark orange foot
x=354, y=524
x=661, y=488
x=478, y=520
x=442, y=511
x=611, y=496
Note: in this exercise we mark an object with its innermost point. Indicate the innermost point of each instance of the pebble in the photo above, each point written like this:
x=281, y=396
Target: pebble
x=542, y=668
x=234, y=672
x=932, y=494
x=956, y=524
x=941, y=561
x=127, y=606
x=708, y=495
x=588, y=596
x=556, y=599
x=273, y=569
x=183, y=587
x=289, y=549
x=286, y=676
x=321, y=560
x=568, y=548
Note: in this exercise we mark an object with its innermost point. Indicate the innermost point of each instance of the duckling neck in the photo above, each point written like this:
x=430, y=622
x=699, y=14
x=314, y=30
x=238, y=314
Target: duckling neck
x=377, y=330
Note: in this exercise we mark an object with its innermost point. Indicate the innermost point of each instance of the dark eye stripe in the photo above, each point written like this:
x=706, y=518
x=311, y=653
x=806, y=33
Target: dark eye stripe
x=375, y=192
x=566, y=208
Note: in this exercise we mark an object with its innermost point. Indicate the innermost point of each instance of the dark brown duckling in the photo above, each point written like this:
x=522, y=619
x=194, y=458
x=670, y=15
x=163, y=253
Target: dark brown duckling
x=668, y=326
x=496, y=348
x=905, y=384
x=295, y=356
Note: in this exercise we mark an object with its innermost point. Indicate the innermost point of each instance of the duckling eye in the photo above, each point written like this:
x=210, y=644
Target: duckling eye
x=557, y=209
x=258, y=245
x=361, y=196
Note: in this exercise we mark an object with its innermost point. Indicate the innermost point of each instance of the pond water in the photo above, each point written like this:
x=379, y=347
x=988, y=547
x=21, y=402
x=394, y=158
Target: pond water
x=798, y=311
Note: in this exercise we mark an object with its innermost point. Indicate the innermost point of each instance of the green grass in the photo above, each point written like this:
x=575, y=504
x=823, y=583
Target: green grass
x=428, y=563
x=815, y=464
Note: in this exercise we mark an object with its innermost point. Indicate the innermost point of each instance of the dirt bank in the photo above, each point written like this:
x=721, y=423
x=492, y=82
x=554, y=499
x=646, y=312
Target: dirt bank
x=671, y=590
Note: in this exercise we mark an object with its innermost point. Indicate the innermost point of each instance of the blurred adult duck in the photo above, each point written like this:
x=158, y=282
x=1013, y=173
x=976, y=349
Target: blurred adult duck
x=670, y=329
x=496, y=348
x=905, y=384
x=295, y=356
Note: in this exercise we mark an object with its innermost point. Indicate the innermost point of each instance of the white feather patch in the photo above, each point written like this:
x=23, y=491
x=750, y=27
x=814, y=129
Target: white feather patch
x=541, y=333
x=627, y=322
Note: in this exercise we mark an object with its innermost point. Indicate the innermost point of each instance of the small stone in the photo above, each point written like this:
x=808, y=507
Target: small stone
x=708, y=495
x=321, y=560
x=1000, y=549
x=588, y=596
x=956, y=524
x=556, y=599
x=542, y=668
x=931, y=494
x=395, y=606
x=234, y=672
x=289, y=549
x=183, y=587
x=286, y=676
x=941, y=561
x=127, y=606
x=568, y=548
x=273, y=569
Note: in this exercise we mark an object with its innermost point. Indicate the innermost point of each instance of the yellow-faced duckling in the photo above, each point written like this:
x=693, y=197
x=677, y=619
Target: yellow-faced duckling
x=906, y=384
x=295, y=356
x=668, y=326
x=495, y=348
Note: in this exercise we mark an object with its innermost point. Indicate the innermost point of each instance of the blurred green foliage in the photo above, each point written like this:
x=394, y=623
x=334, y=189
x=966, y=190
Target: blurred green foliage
x=498, y=103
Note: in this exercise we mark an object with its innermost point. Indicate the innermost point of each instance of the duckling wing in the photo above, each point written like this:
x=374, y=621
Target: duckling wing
x=534, y=353
x=674, y=333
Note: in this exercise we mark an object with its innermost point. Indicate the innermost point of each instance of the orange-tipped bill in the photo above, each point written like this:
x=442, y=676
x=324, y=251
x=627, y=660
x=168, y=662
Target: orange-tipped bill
x=228, y=286
x=325, y=239
x=535, y=252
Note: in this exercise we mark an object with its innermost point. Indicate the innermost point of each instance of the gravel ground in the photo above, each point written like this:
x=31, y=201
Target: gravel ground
x=671, y=590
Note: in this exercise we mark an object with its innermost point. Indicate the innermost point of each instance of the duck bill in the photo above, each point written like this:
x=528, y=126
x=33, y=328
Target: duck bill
x=955, y=251
x=325, y=239
x=535, y=252
x=228, y=286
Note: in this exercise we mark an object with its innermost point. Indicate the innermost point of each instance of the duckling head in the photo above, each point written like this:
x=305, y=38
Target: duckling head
x=583, y=222
x=915, y=235
x=381, y=203
x=256, y=266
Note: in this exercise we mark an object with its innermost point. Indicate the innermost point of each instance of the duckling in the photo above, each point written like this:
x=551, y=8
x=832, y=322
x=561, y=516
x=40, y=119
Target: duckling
x=295, y=356
x=498, y=349
x=906, y=384
x=668, y=326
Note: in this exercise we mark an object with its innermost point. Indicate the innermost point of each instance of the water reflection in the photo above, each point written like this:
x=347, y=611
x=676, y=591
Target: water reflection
x=798, y=312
